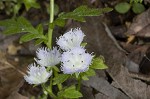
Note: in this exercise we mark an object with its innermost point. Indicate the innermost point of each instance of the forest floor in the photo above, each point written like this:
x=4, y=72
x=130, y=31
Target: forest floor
x=122, y=39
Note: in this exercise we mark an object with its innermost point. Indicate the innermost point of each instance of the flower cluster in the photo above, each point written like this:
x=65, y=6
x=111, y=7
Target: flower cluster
x=71, y=39
x=37, y=73
x=73, y=58
x=47, y=57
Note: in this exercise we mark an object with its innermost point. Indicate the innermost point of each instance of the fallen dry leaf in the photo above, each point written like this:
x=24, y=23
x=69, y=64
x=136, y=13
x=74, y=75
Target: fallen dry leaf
x=145, y=32
x=16, y=95
x=139, y=23
x=11, y=78
x=100, y=43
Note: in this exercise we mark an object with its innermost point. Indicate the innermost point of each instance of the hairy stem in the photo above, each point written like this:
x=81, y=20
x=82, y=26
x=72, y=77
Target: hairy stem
x=59, y=85
x=79, y=83
x=50, y=29
x=49, y=91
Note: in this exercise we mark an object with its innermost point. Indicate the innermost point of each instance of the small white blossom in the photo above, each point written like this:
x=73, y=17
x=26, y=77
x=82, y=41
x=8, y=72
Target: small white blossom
x=37, y=75
x=75, y=60
x=71, y=39
x=47, y=57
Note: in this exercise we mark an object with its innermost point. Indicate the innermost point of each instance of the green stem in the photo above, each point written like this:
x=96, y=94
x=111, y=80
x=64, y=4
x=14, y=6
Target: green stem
x=51, y=11
x=50, y=29
x=51, y=83
x=49, y=91
x=79, y=83
x=59, y=85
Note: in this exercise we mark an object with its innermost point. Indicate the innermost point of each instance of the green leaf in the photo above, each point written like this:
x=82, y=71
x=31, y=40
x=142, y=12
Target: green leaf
x=20, y=25
x=29, y=36
x=138, y=8
x=85, y=11
x=87, y=74
x=59, y=22
x=90, y=72
x=72, y=15
x=60, y=78
x=16, y=8
x=80, y=13
x=84, y=77
x=70, y=92
x=31, y=3
x=98, y=63
x=39, y=41
x=56, y=68
x=76, y=75
x=136, y=1
x=56, y=9
x=40, y=29
x=105, y=10
x=122, y=7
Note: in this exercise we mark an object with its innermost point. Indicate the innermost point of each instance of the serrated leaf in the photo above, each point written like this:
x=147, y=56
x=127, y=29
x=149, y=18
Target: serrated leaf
x=59, y=22
x=122, y=7
x=138, y=8
x=72, y=15
x=40, y=29
x=56, y=9
x=60, y=14
x=105, y=10
x=81, y=12
x=39, y=41
x=70, y=92
x=90, y=72
x=29, y=36
x=56, y=68
x=76, y=75
x=80, y=8
x=60, y=78
x=16, y=8
x=78, y=18
x=25, y=25
x=20, y=25
x=87, y=74
x=136, y=1
x=31, y=3
x=85, y=11
x=7, y=22
x=84, y=77
x=98, y=63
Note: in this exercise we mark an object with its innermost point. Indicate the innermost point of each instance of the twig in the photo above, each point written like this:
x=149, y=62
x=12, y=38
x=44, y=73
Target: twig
x=11, y=66
x=112, y=37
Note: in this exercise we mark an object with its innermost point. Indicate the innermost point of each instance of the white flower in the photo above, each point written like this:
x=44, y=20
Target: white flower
x=75, y=60
x=71, y=39
x=37, y=75
x=47, y=57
